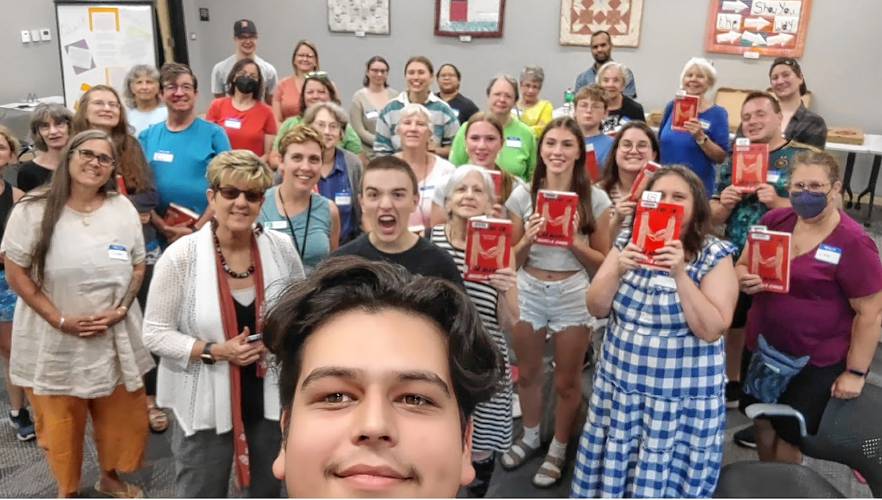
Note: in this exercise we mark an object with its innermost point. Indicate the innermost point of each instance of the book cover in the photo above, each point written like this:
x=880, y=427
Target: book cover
x=496, y=177
x=768, y=256
x=176, y=215
x=559, y=210
x=592, y=168
x=121, y=185
x=685, y=109
x=655, y=223
x=488, y=247
x=750, y=165
x=642, y=178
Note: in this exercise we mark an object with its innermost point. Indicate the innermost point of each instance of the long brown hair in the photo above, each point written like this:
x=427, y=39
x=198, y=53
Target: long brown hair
x=57, y=194
x=131, y=163
x=693, y=234
x=611, y=176
x=581, y=184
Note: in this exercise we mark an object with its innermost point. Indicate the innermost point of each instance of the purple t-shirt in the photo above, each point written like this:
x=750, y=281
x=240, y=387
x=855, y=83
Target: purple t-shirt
x=815, y=318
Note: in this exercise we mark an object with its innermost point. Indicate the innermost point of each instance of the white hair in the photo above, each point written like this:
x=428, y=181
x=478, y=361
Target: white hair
x=626, y=75
x=706, y=67
x=461, y=173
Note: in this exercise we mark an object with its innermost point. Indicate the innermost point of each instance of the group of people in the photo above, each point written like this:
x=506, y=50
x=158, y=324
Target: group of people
x=301, y=272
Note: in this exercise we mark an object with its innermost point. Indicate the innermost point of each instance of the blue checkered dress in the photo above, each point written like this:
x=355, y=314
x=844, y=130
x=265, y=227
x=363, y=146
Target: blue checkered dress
x=656, y=419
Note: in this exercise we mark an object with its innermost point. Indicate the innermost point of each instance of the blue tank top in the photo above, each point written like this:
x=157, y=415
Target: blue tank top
x=313, y=243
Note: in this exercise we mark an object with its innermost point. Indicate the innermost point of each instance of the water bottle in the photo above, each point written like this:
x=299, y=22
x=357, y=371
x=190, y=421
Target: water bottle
x=569, y=97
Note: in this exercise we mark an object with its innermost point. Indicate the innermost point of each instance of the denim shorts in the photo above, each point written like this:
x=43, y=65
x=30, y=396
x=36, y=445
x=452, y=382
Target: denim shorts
x=554, y=304
x=7, y=300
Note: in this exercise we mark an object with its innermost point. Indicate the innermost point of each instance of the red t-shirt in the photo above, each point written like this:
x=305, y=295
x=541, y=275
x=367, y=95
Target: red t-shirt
x=246, y=129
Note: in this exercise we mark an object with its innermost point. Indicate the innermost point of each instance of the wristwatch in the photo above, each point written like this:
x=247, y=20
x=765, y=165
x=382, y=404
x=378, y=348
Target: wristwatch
x=702, y=140
x=206, y=355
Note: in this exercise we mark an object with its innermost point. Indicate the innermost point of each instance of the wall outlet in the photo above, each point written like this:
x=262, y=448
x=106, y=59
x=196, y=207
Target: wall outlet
x=25, y=36
x=35, y=35
x=45, y=34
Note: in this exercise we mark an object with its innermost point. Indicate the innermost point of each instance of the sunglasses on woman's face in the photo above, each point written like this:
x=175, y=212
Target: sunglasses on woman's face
x=232, y=193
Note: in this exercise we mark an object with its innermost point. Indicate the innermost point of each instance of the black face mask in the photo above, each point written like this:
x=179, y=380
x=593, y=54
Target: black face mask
x=245, y=84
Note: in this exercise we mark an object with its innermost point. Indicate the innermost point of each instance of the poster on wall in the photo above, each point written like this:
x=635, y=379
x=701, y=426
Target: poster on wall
x=476, y=18
x=580, y=18
x=99, y=42
x=761, y=27
x=359, y=16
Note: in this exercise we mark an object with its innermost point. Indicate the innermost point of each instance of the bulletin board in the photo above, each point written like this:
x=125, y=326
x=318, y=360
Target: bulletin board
x=762, y=27
x=100, y=41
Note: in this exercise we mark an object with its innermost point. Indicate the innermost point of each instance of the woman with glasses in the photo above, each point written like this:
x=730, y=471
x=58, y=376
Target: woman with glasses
x=449, y=80
x=144, y=106
x=530, y=110
x=50, y=132
x=294, y=207
x=830, y=314
x=368, y=101
x=247, y=120
x=204, y=319
x=287, y=99
x=317, y=88
x=74, y=254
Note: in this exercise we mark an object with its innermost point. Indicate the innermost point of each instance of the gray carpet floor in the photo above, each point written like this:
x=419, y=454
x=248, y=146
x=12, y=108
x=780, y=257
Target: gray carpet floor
x=25, y=473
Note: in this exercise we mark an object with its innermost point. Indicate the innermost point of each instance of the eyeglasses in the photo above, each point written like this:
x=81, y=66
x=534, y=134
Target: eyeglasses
x=812, y=187
x=305, y=55
x=88, y=155
x=628, y=145
x=186, y=87
x=232, y=193
x=596, y=106
x=105, y=104
x=322, y=126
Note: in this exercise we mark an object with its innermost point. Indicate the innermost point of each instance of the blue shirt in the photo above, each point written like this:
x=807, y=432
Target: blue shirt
x=336, y=188
x=680, y=147
x=313, y=245
x=179, y=161
x=602, y=145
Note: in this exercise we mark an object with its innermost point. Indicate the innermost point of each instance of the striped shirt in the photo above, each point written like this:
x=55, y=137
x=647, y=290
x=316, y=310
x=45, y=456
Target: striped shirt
x=492, y=420
x=444, y=123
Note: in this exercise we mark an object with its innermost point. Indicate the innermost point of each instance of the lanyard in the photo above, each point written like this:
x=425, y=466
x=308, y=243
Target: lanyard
x=300, y=250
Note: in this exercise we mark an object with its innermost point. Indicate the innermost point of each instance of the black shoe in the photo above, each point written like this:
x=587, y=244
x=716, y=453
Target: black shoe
x=483, y=474
x=733, y=393
x=588, y=362
x=746, y=437
x=24, y=427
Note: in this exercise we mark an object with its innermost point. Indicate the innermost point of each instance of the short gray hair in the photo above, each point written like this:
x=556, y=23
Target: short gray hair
x=331, y=107
x=133, y=74
x=461, y=173
x=533, y=73
x=506, y=78
x=621, y=68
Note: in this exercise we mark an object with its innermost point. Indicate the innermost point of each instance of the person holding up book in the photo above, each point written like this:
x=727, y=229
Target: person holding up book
x=656, y=420
x=694, y=131
x=204, y=318
x=633, y=147
x=518, y=154
x=74, y=254
x=830, y=314
x=552, y=281
x=470, y=193
x=294, y=207
x=612, y=77
x=179, y=150
x=590, y=105
x=738, y=210
x=530, y=110
x=247, y=120
x=389, y=195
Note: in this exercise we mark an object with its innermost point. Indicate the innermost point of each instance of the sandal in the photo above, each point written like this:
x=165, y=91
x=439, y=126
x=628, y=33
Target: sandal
x=157, y=418
x=130, y=491
x=519, y=453
x=550, y=473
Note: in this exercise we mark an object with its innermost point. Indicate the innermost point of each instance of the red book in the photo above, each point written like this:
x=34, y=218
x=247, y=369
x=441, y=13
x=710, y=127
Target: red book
x=121, y=185
x=559, y=210
x=591, y=166
x=768, y=255
x=685, y=109
x=655, y=223
x=641, y=180
x=176, y=215
x=488, y=247
x=496, y=176
x=750, y=165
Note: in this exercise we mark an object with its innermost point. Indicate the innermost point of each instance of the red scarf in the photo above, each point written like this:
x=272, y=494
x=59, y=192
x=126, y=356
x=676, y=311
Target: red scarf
x=231, y=330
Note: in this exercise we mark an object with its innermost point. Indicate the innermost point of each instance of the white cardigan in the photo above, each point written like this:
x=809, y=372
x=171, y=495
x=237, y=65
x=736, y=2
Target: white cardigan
x=184, y=307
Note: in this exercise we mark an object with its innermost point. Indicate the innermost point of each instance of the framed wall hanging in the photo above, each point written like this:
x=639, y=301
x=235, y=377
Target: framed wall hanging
x=760, y=27
x=359, y=16
x=475, y=18
x=580, y=18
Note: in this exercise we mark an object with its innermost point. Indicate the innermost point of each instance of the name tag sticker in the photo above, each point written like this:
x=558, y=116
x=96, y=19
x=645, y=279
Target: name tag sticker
x=118, y=252
x=513, y=142
x=773, y=176
x=372, y=115
x=828, y=254
x=344, y=198
x=163, y=156
x=663, y=281
x=233, y=123
x=278, y=225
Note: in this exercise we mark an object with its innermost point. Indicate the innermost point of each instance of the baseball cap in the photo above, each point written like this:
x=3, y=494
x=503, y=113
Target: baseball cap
x=244, y=27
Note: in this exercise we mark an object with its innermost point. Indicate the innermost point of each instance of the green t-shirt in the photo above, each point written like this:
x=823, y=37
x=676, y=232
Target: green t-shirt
x=518, y=155
x=351, y=141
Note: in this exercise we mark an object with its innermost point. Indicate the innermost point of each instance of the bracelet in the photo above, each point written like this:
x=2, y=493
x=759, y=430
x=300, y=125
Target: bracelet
x=857, y=372
x=61, y=323
x=124, y=308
